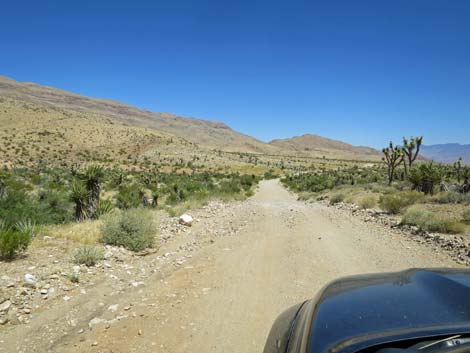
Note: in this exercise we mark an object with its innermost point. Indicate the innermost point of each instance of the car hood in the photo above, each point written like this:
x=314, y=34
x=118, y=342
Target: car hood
x=356, y=312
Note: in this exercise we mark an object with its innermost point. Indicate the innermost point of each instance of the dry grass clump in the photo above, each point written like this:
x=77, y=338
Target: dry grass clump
x=336, y=198
x=88, y=255
x=367, y=201
x=431, y=222
x=87, y=232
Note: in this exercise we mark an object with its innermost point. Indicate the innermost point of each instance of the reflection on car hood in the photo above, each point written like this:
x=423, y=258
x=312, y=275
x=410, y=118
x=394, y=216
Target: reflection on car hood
x=357, y=311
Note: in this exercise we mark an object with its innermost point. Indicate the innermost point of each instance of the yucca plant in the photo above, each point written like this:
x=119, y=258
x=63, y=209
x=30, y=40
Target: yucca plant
x=93, y=176
x=15, y=239
x=80, y=196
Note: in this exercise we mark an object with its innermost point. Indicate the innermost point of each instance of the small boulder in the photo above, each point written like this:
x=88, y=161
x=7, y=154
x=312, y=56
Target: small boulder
x=186, y=220
x=5, y=306
x=30, y=280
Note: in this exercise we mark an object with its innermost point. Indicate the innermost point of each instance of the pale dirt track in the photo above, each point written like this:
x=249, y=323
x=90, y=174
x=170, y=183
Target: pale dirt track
x=227, y=296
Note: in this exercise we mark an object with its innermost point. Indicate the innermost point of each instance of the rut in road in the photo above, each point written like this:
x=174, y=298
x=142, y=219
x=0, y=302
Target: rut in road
x=227, y=297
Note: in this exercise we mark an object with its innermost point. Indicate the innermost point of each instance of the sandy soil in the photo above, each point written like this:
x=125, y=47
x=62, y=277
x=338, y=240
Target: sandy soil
x=225, y=297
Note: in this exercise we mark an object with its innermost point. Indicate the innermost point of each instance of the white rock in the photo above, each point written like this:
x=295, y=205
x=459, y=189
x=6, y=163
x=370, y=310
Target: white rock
x=186, y=220
x=113, y=308
x=30, y=280
x=5, y=305
x=95, y=321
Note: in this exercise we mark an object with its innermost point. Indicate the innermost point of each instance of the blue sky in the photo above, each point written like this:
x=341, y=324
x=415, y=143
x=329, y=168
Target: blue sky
x=363, y=72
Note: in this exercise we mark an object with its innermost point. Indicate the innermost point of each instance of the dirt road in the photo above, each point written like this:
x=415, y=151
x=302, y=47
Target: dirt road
x=225, y=298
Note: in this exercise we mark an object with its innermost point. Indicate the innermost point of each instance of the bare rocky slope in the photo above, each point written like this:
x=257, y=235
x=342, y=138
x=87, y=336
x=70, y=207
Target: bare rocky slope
x=203, y=132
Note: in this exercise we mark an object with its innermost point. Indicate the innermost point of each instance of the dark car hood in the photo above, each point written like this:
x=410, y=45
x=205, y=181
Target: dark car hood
x=356, y=312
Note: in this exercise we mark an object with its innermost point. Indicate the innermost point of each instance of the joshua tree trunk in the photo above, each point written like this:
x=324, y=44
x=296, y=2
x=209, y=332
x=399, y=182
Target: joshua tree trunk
x=80, y=211
x=94, y=200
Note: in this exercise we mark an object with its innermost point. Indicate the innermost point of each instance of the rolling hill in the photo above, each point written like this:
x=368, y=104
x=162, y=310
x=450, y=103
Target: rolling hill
x=319, y=146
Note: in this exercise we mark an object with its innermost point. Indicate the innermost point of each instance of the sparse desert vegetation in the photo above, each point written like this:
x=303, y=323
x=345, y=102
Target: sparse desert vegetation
x=428, y=195
x=94, y=200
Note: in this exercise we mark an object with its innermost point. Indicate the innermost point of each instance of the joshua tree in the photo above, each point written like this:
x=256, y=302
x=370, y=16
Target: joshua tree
x=93, y=175
x=411, y=150
x=80, y=196
x=458, y=168
x=393, y=157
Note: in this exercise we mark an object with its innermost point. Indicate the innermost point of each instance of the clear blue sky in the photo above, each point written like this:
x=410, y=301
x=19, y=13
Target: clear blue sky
x=360, y=71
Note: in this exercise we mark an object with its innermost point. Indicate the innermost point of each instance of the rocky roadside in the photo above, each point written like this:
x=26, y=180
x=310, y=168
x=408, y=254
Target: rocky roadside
x=46, y=276
x=455, y=245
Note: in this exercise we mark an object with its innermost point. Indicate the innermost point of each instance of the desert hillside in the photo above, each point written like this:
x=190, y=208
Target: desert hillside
x=202, y=132
x=40, y=107
x=319, y=146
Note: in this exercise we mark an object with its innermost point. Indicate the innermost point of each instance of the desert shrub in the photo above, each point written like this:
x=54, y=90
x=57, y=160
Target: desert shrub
x=426, y=177
x=15, y=239
x=88, y=255
x=466, y=216
x=133, y=229
x=74, y=278
x=367, y=202
x=451, y=197
x=229, y=187
x=129, y=196
x=270, y=175
x=104, y=207
x=337, y=197
x=394, y=203
x=429, y=221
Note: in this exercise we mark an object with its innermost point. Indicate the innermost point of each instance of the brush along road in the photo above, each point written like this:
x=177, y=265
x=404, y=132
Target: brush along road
x=225, y=296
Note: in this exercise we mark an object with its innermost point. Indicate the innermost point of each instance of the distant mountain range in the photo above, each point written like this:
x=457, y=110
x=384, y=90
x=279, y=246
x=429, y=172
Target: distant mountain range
x=447, y=152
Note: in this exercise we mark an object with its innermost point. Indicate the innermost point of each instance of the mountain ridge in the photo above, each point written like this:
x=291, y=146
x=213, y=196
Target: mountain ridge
x=204, y=133
x=447, y=152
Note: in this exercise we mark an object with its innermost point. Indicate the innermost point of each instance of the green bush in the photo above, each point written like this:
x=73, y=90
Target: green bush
x=15, y=239
x=426, y=176
x=129, y=196
x=466, y=216
x=335, y=198
x=133, y=229
x=104, y=207
x=451, y=197
x=429, y=221
x=394, y=203
x=88, y=255
x=367, y=202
